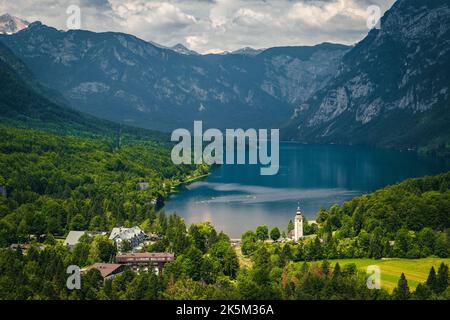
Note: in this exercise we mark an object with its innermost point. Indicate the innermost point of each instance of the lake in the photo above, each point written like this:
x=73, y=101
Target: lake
x=236, y=198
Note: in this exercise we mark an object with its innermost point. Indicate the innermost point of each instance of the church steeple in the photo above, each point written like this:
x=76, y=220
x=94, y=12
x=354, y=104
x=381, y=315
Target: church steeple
x=298, y=224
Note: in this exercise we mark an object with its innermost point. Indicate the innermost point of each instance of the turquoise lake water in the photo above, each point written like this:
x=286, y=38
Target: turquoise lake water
x=236, y=198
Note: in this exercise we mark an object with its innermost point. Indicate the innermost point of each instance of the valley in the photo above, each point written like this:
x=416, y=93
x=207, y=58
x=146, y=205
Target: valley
x=89, y=185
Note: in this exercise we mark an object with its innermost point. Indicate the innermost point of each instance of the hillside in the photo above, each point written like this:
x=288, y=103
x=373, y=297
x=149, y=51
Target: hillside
x=26, y=103
x=62, y=169
x=392, y=89
x=409, y=220
x=58, y=183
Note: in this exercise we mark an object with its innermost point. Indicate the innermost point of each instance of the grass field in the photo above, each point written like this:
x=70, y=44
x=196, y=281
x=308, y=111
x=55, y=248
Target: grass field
x=415, y=270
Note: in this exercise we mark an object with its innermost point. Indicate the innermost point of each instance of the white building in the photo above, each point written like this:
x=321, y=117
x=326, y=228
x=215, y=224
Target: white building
x=135, y=236
x=298, y=225
x=73, y=238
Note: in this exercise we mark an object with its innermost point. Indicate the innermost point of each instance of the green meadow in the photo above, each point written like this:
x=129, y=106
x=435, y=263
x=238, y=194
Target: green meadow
x=415, y=270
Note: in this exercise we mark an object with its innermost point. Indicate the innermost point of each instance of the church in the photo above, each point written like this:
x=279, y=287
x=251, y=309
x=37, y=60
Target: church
x=297, y=233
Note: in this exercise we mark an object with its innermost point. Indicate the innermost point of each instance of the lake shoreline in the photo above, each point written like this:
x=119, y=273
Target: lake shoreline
x=236, y=198
x=189, y=181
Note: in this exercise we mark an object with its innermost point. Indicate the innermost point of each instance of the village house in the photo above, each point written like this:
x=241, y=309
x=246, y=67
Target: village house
x=24, y=247
x=135, y=236
x=107, y=270
x=73, y=238
x=145, y=261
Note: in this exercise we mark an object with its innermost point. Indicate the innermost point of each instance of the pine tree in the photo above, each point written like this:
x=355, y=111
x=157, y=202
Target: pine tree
x=315, y=252
x=304, y=269
x=422, y=292
x=336, y=271
x=431, y=280
x=442, y=278
x=402, y=291
x=285, y=254
x=325, y=268
x=261, y=269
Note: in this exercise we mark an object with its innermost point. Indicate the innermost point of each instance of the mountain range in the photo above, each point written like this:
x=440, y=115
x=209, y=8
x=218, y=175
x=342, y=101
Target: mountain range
x=391, y=89
x=25, y=103
x=122, y=78
x=10, y=24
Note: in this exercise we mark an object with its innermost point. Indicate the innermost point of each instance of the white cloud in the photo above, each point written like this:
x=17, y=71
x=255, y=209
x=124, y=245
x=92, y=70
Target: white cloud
x=195, y=42
x=251, y=18
x=213, y=25
x=138, y=14
x=318, y=14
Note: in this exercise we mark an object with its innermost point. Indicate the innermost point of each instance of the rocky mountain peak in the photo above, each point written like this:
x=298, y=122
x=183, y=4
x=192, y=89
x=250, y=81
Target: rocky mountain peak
x=122, y=78
x=183, y=50
x=10, y=24
x=393, y=87
x=248, y=51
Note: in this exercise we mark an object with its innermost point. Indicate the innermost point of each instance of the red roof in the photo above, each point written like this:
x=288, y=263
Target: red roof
x=105, y=269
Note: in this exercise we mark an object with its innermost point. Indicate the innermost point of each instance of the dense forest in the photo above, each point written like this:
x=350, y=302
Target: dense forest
x=407, y=220
x=59, y=183
x=206, y=267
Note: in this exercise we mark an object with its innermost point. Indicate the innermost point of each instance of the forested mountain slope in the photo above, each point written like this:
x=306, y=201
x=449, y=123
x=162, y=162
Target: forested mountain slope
x=393, y=88
x=410, y=219
x=59, y=183
x=65, y=170
x=26, y=103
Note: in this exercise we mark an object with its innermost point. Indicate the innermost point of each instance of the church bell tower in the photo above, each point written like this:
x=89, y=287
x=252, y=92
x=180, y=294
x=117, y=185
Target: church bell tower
x=298, y=225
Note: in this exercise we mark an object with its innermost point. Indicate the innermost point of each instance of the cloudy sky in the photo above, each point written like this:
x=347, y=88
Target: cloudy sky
x=212, y=25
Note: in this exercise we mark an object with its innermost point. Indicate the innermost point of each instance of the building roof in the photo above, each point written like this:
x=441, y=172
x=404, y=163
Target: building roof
x=73, y=238
x=105, y=269
x=144, y=256
x=125, y=233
